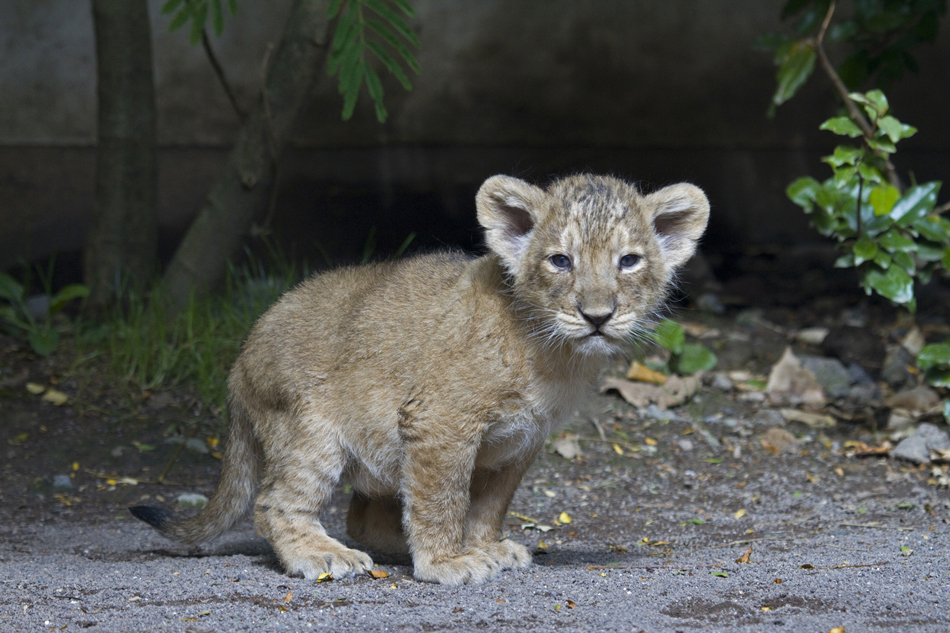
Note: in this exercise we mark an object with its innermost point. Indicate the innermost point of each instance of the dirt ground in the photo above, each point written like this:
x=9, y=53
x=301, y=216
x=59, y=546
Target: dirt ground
x=713, y=518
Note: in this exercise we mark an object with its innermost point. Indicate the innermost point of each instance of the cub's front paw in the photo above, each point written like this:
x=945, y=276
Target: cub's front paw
x=473, y=567
x=339, y=563
x=508, y=554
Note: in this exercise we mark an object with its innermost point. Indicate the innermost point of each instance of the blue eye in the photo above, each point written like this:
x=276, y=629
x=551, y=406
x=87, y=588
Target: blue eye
x=629, y=261
x=561, y=262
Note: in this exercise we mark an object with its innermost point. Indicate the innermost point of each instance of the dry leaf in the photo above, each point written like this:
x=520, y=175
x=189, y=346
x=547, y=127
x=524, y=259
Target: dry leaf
x=642, y=373
x=675, y=391
x=739, y=514
x=790, y=383
x=34, y=388
x=57, y=398
x=837, y=629
x=567, y=447
x=289, y=596
x=839, y=471
x=617, y=449
x=745, y=556
x=564, y=518
x=378, y=573
x=650, y=441
x=324, y=577
x=812, y=420
x=571, y=604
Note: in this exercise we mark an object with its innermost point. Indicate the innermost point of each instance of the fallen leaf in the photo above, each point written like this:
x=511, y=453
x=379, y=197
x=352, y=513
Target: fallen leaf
x=135, y=598
x=766, y=608
x=839, y=471
x=571, y=604
x=812, y=478
x=790, y=383
x=324, y=577
x=34, y=388
x=739, y=514
x=806, y=566
x=642, y=373
x=564, y=517
x=837, y=629
x=777, y=581
x=57, y=398
x=745, y=556
x=676, y=390
x=720, y=574
x=550, y=494
x=289, y=596
x=650, y=441
x=378, y=573
x=814, y=420
x=617, y=449
x=542, y=545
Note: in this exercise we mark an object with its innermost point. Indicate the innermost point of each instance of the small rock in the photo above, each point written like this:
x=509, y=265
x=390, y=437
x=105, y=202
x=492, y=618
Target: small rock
x=778, y=439
x=117, y=451
x=831, y=374
x=855, y=345
x=710, y=302
x=62, y=482
x=196, y=445
x=896, y=363
x=857, y=376
x=914, y=341
x=899, y=419
x=919, y=398
x=791, y=383
x=663, y=415
x=568, y=447
x=768, y=417
x=812, y=335
x=161, y=400
x=685, y=444
x=917, y=447
x=192, y=500
x=721, y=382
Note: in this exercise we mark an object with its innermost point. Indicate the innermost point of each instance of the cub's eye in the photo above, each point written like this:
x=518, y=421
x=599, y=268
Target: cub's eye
x=561, y=262
x=629, y=261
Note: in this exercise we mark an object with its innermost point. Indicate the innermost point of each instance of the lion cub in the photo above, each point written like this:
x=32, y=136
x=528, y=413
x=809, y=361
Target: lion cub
x=431, y=383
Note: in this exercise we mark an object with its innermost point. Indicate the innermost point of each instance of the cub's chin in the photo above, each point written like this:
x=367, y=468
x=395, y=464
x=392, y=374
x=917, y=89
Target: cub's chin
x=597, y=344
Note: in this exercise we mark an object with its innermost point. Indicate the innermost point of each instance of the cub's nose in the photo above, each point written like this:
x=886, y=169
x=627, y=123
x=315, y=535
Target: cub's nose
x=597, y=318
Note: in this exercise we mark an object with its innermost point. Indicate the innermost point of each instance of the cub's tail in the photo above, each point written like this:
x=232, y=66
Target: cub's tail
x=232, y=497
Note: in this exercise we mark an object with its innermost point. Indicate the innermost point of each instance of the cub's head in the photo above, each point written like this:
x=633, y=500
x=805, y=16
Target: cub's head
x=589, y=257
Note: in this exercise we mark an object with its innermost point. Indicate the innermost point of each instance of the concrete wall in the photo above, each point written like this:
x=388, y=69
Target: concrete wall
x=655, y=91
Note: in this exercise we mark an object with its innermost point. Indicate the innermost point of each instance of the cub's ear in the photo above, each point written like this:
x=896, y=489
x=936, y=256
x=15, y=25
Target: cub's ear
x=508, y=209
x=679, y=214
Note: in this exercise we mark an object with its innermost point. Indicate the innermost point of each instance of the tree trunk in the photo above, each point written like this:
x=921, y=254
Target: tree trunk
x=121, y=245
x=243, y=190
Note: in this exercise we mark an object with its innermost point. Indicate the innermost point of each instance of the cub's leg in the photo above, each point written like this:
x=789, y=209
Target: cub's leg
x=377, y=523
x=491, y=493
x=287, y=513
x=436, y=477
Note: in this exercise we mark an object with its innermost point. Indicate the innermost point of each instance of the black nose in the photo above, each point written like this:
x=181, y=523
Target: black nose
x=597, y=319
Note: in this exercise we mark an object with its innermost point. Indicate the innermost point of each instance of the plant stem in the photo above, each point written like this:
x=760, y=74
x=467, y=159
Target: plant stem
x=849, y=103
x=860, y=192
x=219, y=71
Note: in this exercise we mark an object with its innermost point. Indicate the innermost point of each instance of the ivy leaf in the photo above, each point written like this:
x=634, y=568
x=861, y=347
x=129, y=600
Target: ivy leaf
x=892, y=127
x=803, y=192
x=864, y=250
x=844, y=155
x=916, y=203
x=883, y=260
x=894, y=240
x=842, y=125
x=795, y=68
x=882, y=145
x=934, y=228
x=695, y=358
x=895, y=284
x=883, y=197
x=845, y=261
x=870, y=173
x=934, y=355
x=905, y=261
x=669, y=335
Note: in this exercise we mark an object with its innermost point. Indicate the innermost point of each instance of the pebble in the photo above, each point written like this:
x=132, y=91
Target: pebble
x=895, y=372
x=62, y=482
x=769, y=417
x=196, y=445
x=812, y=335
x=663, y=415
x=917, y=447
x=192, y=500
x=685, y=444
x=721, y=382
x=831, y=374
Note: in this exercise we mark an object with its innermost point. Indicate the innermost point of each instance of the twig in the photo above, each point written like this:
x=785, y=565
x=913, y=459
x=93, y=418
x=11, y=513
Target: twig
x=219, y=71
x=942, y=208
x=747, y=541
x=171, y=462
x=853, y=109
x=878, y=527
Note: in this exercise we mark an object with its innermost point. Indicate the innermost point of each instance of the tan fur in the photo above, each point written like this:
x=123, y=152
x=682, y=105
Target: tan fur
x=431, y=383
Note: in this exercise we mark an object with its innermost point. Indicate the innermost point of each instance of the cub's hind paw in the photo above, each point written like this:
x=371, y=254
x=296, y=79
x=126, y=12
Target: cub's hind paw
x=338, y=563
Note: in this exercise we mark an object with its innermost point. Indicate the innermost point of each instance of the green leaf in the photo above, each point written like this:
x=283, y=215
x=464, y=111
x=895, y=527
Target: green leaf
x=67, y=294
x=877, y=98
x=906, y=261
x=180, y=18
x=695, y=358
x=907, y=130
x=933, y=228
x=10, y=289
x=720, y=574
x=870, y=173
x=404, y=7
x=217, y=17
x=386, y=34
x=394, y=20
x=170, y=6
x=916, y=203
x=894, y=240
x=199, y=18
x=928, y=252
x=375, y=88
x=881, y=144
x=333, y=8
x=892, y=127
x=864, y=249
x=669, y=335
x=844, y=155
x=697, y=521
x=390, y=64
x=794, y=70
x=845, y=261
x=844, y=176
x=895, y=284
x=803, y=192
x=883, y=197
x=883, y=260
x=842, y=125
x=43, y=340
x=8, y=314
x=232, y=7
x=934, y=355
x=939, y=378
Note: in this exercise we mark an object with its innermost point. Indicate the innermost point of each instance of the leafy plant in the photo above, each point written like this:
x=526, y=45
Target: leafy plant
x=685, y=358
x=891, y=237
x=196, y=12
x=42, y=334
x=935, y=361
x=366, y=25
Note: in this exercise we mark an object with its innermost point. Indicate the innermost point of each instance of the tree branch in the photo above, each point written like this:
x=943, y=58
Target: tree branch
x=856, y=115
x=219, y=71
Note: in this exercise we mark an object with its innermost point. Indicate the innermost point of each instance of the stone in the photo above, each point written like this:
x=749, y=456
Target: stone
x=778, y=440
x=858, y=345
x=812, y=335
x=832, y=375
x=192, y=500
x=568, y=447
x=197, y=446
x=685, y=444
x=917, y=447
x=791, y=383
x=62, y=482
x=918, y=399
x=899, y=419
x=721, y=382
x=768, y=417
x=895, y=371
